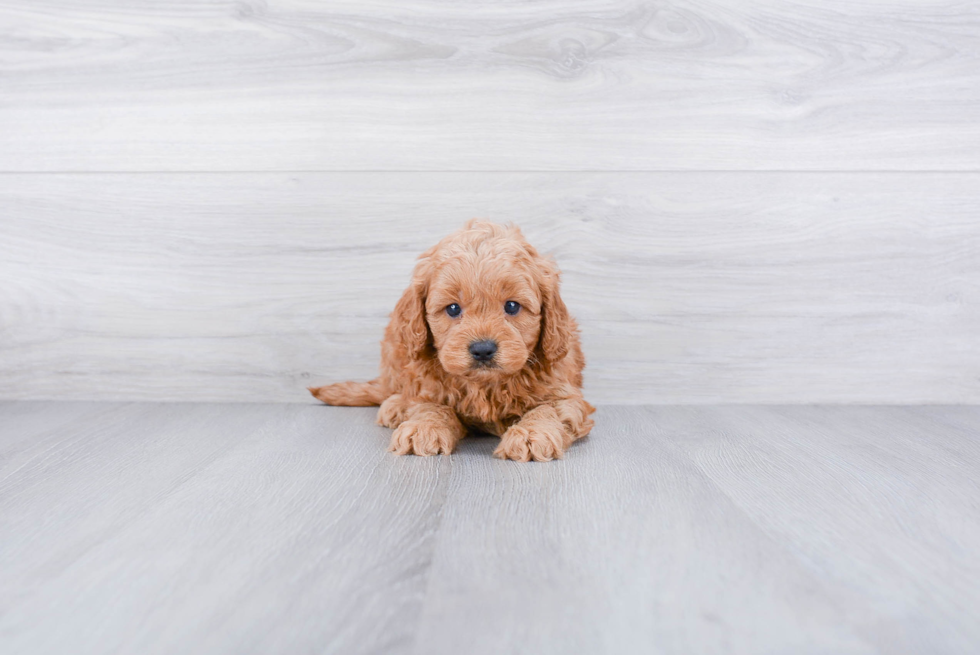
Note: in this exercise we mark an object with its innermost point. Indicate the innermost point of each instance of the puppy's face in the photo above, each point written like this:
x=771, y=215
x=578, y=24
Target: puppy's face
x=484, y=312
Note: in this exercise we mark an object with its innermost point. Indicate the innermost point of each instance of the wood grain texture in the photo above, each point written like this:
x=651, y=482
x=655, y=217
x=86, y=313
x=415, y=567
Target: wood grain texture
x=196, y=528
x=109, y=85
x=690, y=288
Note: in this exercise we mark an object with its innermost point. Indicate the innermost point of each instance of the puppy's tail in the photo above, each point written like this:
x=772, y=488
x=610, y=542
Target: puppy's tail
x=350, y=394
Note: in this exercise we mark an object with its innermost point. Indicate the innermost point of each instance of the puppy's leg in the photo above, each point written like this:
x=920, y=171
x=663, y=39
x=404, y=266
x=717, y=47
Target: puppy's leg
x=392, y=412
x=427, y=429
x=574, y=414
x=545, y=432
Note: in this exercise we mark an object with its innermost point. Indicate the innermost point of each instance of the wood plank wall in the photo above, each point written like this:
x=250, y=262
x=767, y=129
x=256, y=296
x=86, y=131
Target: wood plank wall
x=751, y=201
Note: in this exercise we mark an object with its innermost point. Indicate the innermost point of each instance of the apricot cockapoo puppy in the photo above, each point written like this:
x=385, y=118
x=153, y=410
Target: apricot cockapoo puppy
x=480, y=340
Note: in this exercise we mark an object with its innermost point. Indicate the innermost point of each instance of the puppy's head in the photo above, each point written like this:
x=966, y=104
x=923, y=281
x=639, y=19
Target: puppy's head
x=485, y=303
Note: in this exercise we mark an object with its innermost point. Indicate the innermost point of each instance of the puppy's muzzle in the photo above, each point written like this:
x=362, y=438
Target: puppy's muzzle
x=483, y=351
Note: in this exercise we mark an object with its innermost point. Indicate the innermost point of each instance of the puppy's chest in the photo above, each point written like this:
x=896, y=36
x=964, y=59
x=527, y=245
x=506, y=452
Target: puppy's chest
x=495, y=428
x=488, y=414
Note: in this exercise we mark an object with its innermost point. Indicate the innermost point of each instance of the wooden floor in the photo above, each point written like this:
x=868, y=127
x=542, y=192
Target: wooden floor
x=238, y=528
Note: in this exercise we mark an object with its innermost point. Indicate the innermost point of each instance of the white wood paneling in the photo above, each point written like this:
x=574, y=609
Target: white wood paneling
x=221, y=200
x=707, y=287
x=113, y=85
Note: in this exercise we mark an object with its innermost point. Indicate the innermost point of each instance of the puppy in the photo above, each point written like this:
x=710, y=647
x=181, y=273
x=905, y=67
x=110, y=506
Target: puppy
x=480, y=340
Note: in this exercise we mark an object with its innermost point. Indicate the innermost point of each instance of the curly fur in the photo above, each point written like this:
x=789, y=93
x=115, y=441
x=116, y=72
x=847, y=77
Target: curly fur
x=431, y=390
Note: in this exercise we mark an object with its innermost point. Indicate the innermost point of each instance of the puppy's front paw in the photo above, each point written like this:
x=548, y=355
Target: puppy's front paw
x=423, y=438
x=522, y=444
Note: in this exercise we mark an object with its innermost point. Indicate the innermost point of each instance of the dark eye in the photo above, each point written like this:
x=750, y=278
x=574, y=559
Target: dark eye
x=454, y=310
x=512, y=307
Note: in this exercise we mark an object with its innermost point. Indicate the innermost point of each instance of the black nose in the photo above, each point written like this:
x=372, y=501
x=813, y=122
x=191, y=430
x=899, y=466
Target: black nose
x=483, y=351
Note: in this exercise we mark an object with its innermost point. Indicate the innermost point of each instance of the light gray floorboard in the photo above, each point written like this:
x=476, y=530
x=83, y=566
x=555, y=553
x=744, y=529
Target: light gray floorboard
x=195, y=528
x=111, y=85
x=288, y=528
x=24, y=429
x=689, y=287
x=879, y=503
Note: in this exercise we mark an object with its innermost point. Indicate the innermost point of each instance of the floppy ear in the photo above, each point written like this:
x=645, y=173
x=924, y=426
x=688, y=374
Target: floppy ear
x=408, y=326
x=556, y=324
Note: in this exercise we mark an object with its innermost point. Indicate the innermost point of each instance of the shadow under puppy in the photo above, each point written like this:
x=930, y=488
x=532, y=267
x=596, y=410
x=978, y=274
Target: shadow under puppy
x=480, y=339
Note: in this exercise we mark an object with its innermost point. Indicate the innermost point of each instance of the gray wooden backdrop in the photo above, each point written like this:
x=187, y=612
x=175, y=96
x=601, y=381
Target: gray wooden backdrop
x=751, y=201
